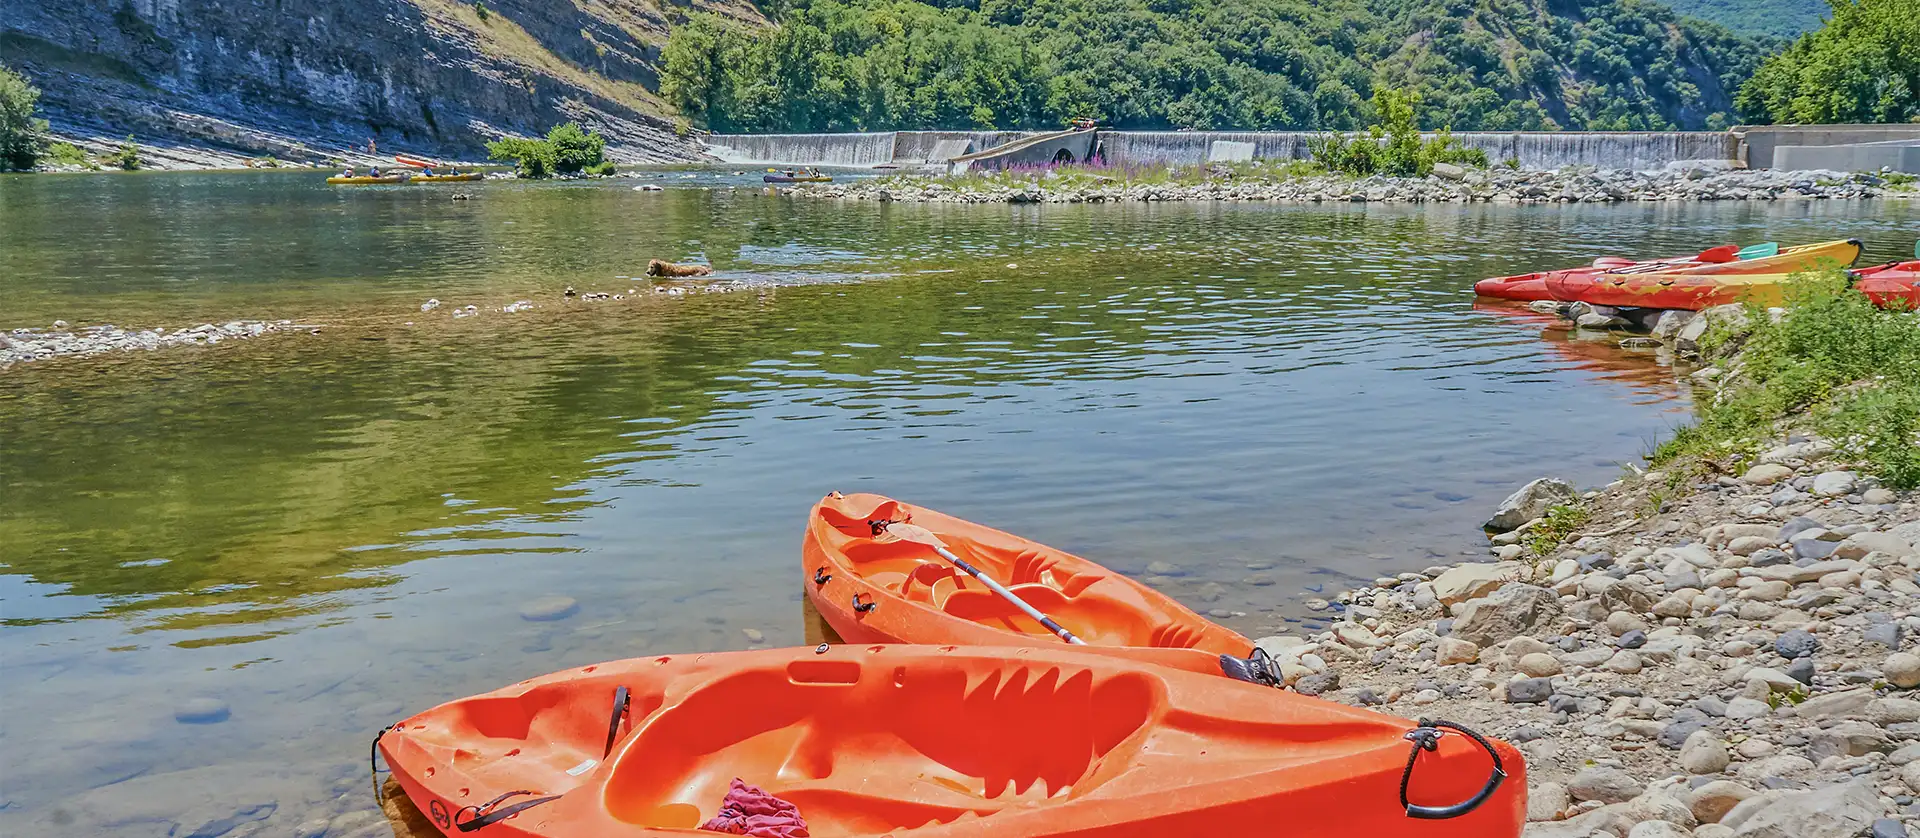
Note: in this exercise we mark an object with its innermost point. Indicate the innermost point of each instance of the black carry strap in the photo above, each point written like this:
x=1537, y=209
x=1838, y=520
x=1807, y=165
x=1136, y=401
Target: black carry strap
x=1426, y=737
x=621, y=700
x=1256, y=668
x=486, y=815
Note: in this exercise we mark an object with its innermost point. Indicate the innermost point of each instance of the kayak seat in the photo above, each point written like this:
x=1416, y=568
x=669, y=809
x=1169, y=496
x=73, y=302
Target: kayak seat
x=548, y=739
x=864, y=750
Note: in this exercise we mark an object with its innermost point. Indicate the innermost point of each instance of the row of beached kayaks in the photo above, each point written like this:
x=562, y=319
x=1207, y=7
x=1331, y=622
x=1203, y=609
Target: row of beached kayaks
x=950, y=712
x=404, y=177
x=1717, y=276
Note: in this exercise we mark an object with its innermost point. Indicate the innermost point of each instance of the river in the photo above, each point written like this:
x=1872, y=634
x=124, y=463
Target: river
x=223, y=569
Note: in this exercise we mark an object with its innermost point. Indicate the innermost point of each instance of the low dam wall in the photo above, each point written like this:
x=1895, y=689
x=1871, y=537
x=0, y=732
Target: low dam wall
x=1533, y=149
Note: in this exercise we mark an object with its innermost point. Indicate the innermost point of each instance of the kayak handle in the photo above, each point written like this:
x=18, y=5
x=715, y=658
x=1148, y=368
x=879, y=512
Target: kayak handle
x=486, y=815
x=821, y=576
x=1426, y=737
x=864, y=607
x=621, y=700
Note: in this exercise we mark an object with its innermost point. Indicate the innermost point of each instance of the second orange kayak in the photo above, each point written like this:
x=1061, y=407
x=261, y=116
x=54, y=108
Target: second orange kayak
x=1697, y=287
x=871, y=590
x=940, y=742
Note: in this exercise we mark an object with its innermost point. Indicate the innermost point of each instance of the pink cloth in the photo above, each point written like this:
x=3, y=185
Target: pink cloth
x=749, y=811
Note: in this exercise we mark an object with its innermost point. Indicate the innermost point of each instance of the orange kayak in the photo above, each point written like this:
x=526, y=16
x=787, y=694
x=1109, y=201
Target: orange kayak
x=1895, y=285
x=874, y=591
x=1533, y=286
x=941, y=742
x=1700, y=286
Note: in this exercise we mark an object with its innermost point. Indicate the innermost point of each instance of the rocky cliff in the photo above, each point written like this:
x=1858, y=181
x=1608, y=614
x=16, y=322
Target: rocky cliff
x=307, y=79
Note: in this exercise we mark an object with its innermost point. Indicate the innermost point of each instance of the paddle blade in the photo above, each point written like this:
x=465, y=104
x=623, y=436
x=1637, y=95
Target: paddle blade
x=1916, y=250
x=913, y=533
x=1758, y=251
x=1723, y=253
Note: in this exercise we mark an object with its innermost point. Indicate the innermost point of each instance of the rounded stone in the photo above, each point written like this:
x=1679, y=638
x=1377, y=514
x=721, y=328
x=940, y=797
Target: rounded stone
x=1539, y=665
x=547, y=608
x=1624, y=662
x=1902, y=670
x=201, y=711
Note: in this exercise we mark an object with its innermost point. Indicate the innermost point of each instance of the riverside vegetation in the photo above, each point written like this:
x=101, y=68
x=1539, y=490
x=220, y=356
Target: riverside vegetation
x=567, y=150
x=1717, y=647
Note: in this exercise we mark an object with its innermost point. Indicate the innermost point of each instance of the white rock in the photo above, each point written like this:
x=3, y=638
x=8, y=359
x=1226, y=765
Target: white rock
x=1833, y=484
x=1530, y=502
x=1704, y=753
x=1902, y=670
x=1453, y=651
x=1766, y=474
x=1833, y=812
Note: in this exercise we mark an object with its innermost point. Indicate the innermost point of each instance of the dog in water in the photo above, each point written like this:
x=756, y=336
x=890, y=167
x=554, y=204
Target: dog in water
x=660, y=268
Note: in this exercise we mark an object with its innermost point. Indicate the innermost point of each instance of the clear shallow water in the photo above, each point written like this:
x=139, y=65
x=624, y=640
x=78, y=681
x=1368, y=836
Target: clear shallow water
x=327, y=532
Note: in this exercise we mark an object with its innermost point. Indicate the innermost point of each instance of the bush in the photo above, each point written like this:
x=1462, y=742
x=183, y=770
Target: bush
x=533, y=158
x=1392, y=146
x=20, y=133
x=575, y=149
x=126, y=157
x=567, y=150
x=68, y=154
x=1852, y=368
x=604, y=168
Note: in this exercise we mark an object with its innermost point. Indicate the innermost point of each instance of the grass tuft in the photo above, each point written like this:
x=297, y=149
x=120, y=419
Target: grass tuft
x=1554, y=527
x=1852, y=369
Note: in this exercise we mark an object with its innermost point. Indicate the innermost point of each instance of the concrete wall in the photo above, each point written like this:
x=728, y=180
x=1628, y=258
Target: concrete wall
x=1900, y=156
x=1758, y=142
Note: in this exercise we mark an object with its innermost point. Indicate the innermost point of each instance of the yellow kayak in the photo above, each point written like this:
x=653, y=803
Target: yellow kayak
x=363, y=179
x=448, y=178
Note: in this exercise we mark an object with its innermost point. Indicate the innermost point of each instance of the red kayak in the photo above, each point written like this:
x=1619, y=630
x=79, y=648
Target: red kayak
x=1895, y=285
x=1533, y=286
x=1762, y=280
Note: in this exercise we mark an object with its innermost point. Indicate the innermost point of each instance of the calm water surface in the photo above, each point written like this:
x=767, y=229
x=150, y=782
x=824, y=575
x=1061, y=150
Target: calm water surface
x=327, y=532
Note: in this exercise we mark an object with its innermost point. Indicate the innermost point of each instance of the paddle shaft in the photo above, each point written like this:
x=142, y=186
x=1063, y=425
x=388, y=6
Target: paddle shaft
x=1010, y=596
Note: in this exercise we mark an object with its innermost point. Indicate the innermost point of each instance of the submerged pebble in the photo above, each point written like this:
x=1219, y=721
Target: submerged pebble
x=548, y=608
x=201, y=711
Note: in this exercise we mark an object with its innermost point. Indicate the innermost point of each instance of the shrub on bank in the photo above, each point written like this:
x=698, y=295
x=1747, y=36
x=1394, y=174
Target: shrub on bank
x=1852, y=368
x=21, y=134
x=1392, y=145
x=568, y=149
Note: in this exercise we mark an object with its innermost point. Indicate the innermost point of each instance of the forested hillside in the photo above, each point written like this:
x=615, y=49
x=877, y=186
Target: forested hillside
x=1863, y=66
x=838, y=65
x=1777, y=18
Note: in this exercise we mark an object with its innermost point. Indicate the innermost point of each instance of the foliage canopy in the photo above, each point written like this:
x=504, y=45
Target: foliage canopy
x=842, y=65
x=1864, y=66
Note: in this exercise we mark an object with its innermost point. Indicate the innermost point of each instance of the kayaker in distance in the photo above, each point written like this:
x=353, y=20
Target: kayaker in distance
x=347, y=172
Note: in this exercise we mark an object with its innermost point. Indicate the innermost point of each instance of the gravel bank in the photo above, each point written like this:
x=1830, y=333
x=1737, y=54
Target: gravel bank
x=1712, y=654
x=22, y=345
x=1448, y=185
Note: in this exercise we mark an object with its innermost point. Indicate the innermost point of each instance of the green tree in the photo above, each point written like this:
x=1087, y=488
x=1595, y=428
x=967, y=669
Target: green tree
x=533, y=158
x=576, y=150
x=21, y=135
x=1863, y=66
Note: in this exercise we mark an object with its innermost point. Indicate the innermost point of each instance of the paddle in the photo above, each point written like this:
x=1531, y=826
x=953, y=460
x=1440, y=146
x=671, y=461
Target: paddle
x=1758, y=251
x=916, y=534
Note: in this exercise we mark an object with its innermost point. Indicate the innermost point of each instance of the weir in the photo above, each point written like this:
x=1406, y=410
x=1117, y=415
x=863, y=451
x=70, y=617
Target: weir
x=1533, y=149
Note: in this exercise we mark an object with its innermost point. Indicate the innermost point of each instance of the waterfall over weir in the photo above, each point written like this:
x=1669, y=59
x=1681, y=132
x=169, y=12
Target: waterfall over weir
x=1533, y=149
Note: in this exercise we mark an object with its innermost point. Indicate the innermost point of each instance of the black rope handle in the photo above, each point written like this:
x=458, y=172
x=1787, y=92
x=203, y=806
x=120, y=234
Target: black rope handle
x=1257, y=668
x=1426, y=737
x=864, y=607
x=373, y=762
x=621, y=700
x=483, y=817
x=821, y=576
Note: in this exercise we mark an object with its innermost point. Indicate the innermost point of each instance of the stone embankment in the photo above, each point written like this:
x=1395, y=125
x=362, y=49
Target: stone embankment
x=1721, y=654
x=39, y=344
x=1449, y=184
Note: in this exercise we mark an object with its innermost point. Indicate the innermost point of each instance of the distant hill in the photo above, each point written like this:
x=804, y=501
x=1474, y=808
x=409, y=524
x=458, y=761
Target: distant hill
x=847, y=65
x=1779, y=18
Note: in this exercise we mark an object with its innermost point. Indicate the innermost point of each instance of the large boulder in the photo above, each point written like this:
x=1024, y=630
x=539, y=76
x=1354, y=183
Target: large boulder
x=1834, y=812
x=1472, y=581
x=1532, y=501
x=1513, y=610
